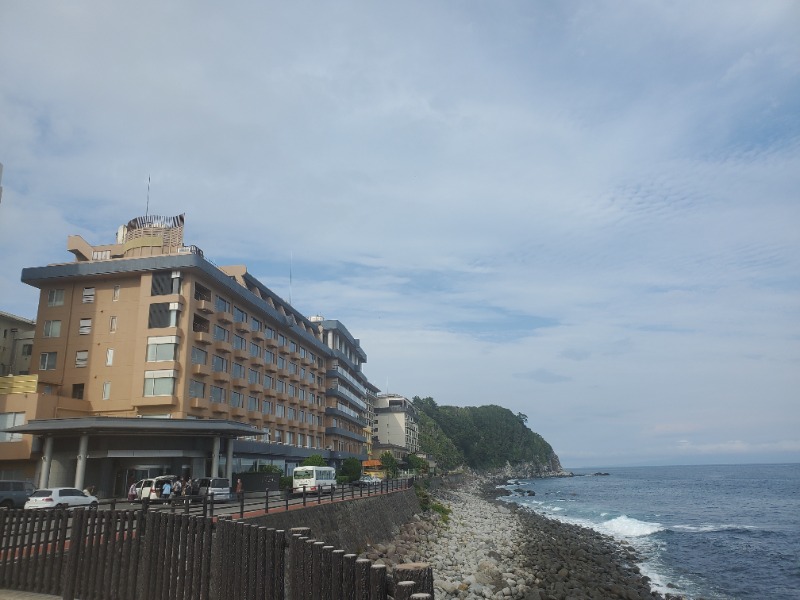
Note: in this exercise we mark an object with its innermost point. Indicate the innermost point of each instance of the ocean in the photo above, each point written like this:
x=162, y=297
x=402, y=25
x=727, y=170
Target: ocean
x=717, y=532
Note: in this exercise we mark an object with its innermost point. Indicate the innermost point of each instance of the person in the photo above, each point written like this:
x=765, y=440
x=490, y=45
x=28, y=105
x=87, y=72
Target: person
x=166, y=490
x=132, y=492
x=239, y=488
x=176, y=489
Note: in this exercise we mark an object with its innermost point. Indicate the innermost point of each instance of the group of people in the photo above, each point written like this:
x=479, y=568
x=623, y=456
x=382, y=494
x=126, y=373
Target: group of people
x=183, y=486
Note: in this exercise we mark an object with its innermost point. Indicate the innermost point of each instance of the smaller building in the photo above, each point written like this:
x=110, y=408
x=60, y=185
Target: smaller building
x=396, y=425
x=16, y=344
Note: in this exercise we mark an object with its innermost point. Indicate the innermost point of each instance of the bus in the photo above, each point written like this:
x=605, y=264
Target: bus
x=315, y=479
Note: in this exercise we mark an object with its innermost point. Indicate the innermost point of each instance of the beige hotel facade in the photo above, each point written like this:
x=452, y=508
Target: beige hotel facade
x=151, y=359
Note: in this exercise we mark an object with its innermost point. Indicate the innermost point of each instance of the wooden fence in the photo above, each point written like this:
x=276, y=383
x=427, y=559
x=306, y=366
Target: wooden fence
x=128, y=555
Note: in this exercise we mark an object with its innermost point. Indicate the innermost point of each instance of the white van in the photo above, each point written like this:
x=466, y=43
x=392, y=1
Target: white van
x=219, y=486
x=151, y=488
x=314, y=480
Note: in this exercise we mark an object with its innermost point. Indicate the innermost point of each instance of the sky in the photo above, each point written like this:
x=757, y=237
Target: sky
x=586, y=212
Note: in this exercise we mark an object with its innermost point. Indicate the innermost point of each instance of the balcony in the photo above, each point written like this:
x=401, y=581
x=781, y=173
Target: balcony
x=223, y=346
x=255, y=417
x=198, y=403
x=201, y=370
x=239, y=383
x=257, y=336
x=222, y=376
x=203, y=337
x=241, y=354
x=255, y=387
x=241, y=327
x=257, y=361
x=238, y=411
x=272, y=342
x=205, y=306
x=155, y=401
x=223, y=316
x=271, y=367
x=220, y=407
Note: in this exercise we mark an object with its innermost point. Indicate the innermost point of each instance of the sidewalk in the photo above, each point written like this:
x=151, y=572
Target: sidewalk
x=17, y=595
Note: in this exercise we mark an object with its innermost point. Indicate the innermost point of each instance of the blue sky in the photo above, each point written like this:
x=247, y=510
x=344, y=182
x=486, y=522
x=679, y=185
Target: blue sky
x=587, y=212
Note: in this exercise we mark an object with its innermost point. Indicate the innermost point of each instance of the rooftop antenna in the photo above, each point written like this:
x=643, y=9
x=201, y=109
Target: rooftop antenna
x=291, y=257
x=147, y=210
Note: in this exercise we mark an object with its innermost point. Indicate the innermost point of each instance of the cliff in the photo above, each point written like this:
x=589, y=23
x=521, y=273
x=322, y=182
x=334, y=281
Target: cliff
x=484, y=438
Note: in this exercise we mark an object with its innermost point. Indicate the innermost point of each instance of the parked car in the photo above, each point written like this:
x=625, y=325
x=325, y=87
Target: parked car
x=367, y=481
x=60, y=497
x=151, y=488
x=219, y=486
x=14, y=494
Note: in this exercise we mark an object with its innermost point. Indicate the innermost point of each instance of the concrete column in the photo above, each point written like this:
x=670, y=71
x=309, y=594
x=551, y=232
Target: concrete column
x=215, y=458
x=80, y=469
x=47, y=461
x=229, y=463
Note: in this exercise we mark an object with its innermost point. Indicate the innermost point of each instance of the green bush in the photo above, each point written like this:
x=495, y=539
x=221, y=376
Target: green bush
x=286, y=482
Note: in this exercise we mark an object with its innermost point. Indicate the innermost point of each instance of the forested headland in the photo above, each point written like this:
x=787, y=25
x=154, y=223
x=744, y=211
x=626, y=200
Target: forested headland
x=484, y=438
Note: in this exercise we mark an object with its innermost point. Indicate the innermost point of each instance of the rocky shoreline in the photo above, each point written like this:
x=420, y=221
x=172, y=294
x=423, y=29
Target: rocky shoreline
x=488, y=549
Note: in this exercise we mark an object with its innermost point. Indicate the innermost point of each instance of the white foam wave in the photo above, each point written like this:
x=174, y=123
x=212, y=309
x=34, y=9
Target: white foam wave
x=627, y=527
x=710, y=528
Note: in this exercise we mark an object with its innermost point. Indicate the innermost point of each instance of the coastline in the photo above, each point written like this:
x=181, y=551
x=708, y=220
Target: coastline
x=490, y=549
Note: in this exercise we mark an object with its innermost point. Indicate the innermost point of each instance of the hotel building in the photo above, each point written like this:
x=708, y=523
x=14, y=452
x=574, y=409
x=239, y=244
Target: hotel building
x=147, y=329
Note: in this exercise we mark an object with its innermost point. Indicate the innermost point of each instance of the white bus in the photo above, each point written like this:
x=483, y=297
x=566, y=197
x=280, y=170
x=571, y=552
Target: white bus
x=316, y=480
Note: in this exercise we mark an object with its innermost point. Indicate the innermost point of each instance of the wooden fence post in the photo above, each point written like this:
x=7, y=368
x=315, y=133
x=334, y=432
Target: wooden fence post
x=72, y=572
x=362, y=578
x=421, y=573
x=349, y=577
x=279, y=560
x=326, y=591
x=404, y=589
x=336, y=574
x=377, y=582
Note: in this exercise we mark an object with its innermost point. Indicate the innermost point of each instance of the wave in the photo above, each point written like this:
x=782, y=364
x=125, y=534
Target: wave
x=714, y=528
x=627, y=527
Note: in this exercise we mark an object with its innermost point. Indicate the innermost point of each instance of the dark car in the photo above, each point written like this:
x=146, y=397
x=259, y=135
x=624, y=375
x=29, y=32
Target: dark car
x=14, y=494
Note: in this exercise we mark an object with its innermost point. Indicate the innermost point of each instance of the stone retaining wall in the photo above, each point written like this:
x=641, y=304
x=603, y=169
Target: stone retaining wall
x=350, y=525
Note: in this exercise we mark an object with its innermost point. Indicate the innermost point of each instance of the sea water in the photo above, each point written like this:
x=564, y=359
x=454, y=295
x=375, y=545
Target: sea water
x=721, y=532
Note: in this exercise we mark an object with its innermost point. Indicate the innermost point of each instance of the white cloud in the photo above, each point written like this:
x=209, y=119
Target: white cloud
x=601, y=196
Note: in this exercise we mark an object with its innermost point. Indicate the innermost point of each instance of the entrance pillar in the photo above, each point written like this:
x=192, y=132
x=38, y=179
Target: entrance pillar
x=47, y=461
x=80, y=469
x=229, y=461
x=215, y=459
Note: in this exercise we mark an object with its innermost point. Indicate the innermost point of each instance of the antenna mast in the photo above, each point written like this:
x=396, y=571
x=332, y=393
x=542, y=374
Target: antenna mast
x=291, y=257
x=147, y=209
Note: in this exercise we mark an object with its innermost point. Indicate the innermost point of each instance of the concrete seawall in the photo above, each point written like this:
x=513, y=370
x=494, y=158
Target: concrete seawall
x=351, y=524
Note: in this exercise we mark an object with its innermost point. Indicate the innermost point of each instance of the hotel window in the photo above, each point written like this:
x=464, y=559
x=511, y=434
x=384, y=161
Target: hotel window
x=269, y=333
x=301, y=439
x=255, y=324
x=292, y=346
x=290, y=413
x=219, y=364
x=253, y=376
x=278, y=436
x=301, y=416
x=47, y=361
x=164, y=314
x=11, y=419
x=115, y=293
x=81, y=358
x=281, y=340
x=237, y=400
x=292, y=390
x=222, y=305
x=159, y=383
x=197, y=389
x=289, y=438
x=239, y=316
x=199, y=356
x=162, y=348
x=109, y=357
x=292, y=367
x=217, y=394
x=280, y=386
x=77, y=391
x=112, y=324
x=200, y=325
x=88, y=295
x=252, y=403
x=201, y=292
x=267, y=382
x=255, y=349
x=266, y=407
x=281, y=362
x=165, y=283
x=55, y=298
x=27, y=349
x=52, y=329
x=280, y=410
x=301, y=393
x=239, y=343
x=106, y=390
x=269, y=357
x=85, y=327
x=221, y=334
x=237, y=371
